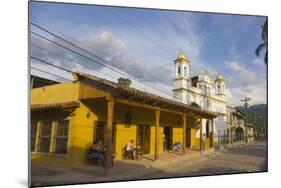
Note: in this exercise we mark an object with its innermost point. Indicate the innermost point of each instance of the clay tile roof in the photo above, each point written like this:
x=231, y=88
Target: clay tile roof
x=125, y=92
x=53, y=106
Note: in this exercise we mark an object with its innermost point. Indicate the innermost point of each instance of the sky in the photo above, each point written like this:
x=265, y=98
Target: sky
x=144, y=43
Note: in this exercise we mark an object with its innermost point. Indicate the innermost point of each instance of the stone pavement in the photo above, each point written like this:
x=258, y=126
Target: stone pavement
x=234, y=159
x=241, y=158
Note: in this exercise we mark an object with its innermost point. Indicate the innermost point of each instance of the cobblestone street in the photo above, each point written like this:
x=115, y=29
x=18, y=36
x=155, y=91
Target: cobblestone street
x=235, y=159
x=241, y=158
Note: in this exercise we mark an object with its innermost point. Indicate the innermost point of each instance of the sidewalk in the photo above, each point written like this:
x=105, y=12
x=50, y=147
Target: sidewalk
x=130, y=169
x=122, y=169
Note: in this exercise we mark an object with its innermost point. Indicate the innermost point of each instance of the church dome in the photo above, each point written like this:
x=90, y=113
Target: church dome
x=219, y=77
x=181, y=55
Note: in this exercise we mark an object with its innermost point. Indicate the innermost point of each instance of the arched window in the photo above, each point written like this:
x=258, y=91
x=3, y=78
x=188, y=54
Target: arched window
x=184, y=71
x=179, y=70
x=219, y=88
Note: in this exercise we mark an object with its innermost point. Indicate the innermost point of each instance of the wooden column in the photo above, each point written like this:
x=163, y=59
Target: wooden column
x=229, y=135
x=201, y=135
x=38, y=134
x=213, y=133
x=157, y=124
x=184, y=132
x=31, y=83
x=53, y=132
x=108, y=134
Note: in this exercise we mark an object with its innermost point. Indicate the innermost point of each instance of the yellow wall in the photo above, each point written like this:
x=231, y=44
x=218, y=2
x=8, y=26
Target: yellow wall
x=82, y=123
x=178, y=135
x=192, y=138
x=197, y=143
x=124, y=135
x=58, y=93
x=83, y=132
x=207, y=143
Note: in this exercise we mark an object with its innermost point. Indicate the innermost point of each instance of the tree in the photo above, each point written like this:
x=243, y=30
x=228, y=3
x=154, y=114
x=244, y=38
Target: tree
x=124, y=81
x=194, y=104
x=263, y=46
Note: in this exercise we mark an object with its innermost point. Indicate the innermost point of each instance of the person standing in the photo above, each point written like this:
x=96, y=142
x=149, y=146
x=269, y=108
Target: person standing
x=164, y=143
x=204, y=141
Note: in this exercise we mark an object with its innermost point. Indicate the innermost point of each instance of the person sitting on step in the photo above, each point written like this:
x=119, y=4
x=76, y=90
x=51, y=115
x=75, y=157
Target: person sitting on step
x=131, y=150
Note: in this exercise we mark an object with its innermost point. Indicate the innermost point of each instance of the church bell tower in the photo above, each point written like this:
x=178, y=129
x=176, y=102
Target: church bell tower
x=181, y=78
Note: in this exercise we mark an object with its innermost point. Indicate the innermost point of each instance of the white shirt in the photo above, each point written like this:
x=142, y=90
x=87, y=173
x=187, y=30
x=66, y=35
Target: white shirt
x=129, y=146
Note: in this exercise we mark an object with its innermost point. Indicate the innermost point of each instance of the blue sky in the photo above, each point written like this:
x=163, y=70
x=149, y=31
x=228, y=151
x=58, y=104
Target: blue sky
x=145, y=42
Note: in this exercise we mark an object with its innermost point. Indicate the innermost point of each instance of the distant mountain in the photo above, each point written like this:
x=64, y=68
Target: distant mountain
x=256, y=115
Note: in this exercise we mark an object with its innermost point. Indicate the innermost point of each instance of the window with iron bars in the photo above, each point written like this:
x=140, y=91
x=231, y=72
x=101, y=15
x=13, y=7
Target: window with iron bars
x=99, y=131
x=61, y=137
x=34, y=127
x=45, y=136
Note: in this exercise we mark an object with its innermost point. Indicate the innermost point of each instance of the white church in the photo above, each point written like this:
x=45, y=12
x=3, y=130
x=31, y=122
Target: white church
x=201, y=89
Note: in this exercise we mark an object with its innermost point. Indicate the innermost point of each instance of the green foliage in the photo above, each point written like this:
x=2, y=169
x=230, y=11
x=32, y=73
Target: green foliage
x=124, y=81
x=194, y=104
x=263, y=46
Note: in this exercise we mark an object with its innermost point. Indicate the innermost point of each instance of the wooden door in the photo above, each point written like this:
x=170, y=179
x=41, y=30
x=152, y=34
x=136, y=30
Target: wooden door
x=169, y=137
x=188, y=137
x=143, y=138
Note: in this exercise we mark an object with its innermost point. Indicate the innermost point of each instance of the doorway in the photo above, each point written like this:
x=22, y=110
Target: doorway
x=188, y=138
x=99, y=133
x=143, y=138
x=168, y=142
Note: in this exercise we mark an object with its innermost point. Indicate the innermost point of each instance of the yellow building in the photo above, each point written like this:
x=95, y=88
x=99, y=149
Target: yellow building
x=66, y=119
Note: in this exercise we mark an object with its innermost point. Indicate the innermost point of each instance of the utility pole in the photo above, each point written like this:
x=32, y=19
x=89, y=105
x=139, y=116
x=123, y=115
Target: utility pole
x=246, y=105
x=255, y=120
x=245, y=101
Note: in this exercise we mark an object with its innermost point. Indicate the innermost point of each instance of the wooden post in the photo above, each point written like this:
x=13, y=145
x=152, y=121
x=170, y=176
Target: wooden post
x=108, y=134
x=53, y=132
x=157, y=122
x=32, y=83
x=38, y=133
x=229, y=136
x=213, y=133
x=184, y=132
x=201, y=135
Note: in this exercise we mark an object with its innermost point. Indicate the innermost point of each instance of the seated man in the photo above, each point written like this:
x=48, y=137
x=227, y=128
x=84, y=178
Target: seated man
x=131, y=150
x=96, y=152
x=177, y=146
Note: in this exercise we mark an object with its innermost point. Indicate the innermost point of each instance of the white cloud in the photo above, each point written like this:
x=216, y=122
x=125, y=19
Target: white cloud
x=105, y=43
x=244, y=75
x=257, y=93
x=258, y=61
x=244, y=83
x=107, y=46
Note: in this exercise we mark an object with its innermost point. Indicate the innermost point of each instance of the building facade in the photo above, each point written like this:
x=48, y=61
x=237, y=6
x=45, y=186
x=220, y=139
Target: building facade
x=203, y=91
x=67, y=118
x=237, y=128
